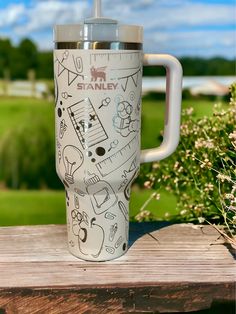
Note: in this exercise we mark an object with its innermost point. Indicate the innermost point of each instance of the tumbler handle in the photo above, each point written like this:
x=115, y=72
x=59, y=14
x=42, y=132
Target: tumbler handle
x=171, y=137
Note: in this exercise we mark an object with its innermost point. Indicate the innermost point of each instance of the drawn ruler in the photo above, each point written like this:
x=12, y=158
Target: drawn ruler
x=117, y=160
x=130, y=60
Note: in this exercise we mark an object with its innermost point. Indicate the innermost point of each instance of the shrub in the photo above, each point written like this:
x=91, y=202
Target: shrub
x=27, y=155
x=202, y=172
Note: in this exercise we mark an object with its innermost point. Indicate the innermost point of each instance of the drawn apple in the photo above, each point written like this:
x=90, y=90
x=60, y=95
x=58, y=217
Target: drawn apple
x=90, y=235
x=91, y=238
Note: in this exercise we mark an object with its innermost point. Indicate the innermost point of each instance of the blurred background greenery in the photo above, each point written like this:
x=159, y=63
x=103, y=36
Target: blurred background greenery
x=30, y=192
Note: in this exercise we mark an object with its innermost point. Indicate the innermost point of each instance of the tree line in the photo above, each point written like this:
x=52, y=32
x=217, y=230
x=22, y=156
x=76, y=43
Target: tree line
x=16, y=61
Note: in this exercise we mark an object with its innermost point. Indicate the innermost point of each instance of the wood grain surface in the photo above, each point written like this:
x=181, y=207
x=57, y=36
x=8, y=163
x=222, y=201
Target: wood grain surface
x=168, y=268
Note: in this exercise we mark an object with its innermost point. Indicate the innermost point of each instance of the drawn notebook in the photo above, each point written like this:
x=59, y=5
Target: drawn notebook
x=86, y=123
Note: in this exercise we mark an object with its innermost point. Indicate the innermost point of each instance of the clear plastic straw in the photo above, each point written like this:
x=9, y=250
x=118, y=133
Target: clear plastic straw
x=97, y=8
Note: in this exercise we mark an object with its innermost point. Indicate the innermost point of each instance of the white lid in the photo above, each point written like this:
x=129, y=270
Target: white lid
x=98, y=32
x=98, y=29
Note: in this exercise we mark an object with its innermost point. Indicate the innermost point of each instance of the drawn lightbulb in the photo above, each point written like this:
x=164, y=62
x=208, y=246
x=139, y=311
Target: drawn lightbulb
x=73, y=159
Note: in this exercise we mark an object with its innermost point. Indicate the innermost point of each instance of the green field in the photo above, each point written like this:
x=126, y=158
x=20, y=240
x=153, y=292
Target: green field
x=42, y=207
x=48, y=207
x=15, y=111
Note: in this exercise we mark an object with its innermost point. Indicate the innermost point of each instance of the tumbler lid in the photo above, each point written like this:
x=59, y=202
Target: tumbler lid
x=99, y=29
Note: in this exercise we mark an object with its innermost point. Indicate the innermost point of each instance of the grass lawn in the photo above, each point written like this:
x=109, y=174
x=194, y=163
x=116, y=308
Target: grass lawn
x=31, y=207
x=153, y=118
x=14, y=111
x=42, y=207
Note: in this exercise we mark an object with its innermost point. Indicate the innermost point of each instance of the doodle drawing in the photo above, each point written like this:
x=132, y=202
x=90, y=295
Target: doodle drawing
x=65, y=56
x=132, y=167
x=105, y=102
x=72, y=75
x=127, y=189
x=113, y=145
x=73, y=159
x=118, y=242
x=133, y=77
x=59, y=156
x=76, y=200
x=124, y=210
x=56, y=90
x=79, y=192
x=86, y=123
x=63, y=128
x=67, y=198
x=123, y=122
x=132, y=96
x=110, y=216
x=113, y=231
x=116, y=160
x=110, y=249
x=65, y=95
x=101, y=193
x=72, y=244
x=90, y=235
x=78, y=62
x=60, y=68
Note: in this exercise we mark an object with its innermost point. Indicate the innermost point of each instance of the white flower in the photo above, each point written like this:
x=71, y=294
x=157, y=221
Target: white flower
x=208, y=187
x=156, y=196
x=155, y=165
x=201, y=220
x=206, y=163
x=229, y=196
x=147, y=184
x=176, y=165
x=223, y=177
x=232, y=136
x=142, y=215
x=209, y=143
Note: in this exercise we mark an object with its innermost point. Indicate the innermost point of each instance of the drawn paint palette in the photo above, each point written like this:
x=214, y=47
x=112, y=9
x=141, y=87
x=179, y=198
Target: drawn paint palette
x=116, y=160
x=86, y=123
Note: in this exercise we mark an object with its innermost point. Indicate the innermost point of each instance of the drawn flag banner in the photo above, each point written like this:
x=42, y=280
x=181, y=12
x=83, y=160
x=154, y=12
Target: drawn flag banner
x=71, y=75
x=87, y=123
x=125, y=79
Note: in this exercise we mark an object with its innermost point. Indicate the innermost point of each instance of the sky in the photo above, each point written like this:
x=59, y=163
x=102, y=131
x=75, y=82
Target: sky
x=202, y=28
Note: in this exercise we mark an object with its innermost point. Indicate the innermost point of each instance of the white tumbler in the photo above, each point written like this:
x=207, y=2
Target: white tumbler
x=98, y=86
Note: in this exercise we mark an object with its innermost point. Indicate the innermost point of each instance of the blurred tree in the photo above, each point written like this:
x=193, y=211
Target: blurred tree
x=45, y=65
x=23, y=58
x=5, y=55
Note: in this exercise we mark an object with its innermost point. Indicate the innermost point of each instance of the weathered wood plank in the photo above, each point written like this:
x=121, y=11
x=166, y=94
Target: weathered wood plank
x=172, y=268
x=161, y=299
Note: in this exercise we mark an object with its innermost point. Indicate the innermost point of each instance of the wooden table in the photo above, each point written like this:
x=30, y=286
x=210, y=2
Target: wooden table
x=168, y=268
